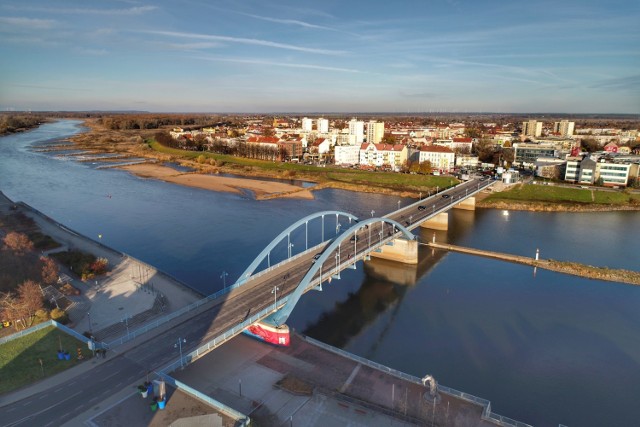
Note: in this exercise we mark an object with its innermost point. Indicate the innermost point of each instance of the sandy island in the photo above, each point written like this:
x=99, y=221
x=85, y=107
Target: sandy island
x=261, y=189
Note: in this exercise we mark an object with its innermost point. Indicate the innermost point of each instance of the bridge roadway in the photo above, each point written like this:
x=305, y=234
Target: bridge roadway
x=129, y=363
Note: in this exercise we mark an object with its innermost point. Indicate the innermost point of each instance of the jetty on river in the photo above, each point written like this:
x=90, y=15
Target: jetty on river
x=566, y=267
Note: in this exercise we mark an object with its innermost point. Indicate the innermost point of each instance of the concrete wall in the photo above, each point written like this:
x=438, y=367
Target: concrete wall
x=405, y=251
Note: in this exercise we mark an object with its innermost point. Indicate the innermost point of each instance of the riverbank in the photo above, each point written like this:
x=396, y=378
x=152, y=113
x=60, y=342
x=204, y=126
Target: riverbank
x=573, y=268
x=130, y=290
x=260, y=188
x=140, y=143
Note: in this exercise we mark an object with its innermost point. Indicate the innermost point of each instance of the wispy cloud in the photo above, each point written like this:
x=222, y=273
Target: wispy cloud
x=28, y=23
x=248, y=41
x=194, y=46
x=278, y=64
x=619, y=83
x=61, y=88
x=137, y=10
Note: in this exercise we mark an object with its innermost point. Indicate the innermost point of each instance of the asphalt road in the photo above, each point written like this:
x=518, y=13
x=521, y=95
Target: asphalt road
x=157, y=349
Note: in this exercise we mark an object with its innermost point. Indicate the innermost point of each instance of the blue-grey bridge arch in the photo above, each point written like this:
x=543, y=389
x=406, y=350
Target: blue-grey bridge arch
x=281, y=316
x=286, y=233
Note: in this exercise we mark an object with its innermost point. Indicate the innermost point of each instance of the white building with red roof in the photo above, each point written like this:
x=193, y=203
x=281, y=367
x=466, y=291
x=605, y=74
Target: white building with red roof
x=383, y=155
x=441, y=158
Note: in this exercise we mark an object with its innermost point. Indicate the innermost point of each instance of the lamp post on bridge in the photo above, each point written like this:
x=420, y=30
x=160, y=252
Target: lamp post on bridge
x=398, y=204
x=179, y=345
x=223, y=276
x=337, y=261
x=290, y=246
x=410, y=219
x=338, y=225
x=372, y=213
x=274, y=291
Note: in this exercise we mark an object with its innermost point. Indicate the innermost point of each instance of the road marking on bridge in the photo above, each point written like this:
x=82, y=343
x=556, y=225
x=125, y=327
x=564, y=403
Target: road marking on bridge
x=347, y=383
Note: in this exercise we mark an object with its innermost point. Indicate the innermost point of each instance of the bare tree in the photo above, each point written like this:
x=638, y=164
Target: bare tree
x=49, y=271
x=18, y=242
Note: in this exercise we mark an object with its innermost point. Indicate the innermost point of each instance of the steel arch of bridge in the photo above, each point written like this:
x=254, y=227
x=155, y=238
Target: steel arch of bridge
x=282, y=315
x=286, y=233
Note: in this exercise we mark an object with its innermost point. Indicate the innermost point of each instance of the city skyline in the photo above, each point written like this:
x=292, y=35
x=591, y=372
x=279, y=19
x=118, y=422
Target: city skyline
x=445, y=56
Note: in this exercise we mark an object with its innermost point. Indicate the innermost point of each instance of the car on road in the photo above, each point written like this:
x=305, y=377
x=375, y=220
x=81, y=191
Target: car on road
x=445, y=196
x=315, y=257
x=354, y=238
x=421, y=208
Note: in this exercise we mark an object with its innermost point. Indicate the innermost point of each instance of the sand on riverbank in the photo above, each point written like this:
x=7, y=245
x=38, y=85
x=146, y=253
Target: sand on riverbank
x=261, y=189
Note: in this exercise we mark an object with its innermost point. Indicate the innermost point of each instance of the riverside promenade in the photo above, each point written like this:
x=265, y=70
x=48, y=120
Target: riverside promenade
x=130, y=294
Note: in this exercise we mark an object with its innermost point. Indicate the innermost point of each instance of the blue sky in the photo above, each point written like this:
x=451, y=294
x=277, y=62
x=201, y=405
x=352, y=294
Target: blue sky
x=321, y=56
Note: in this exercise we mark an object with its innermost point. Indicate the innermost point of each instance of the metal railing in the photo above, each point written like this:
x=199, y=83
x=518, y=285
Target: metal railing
x=26, y=332
x=486, y=404
x=243, y=419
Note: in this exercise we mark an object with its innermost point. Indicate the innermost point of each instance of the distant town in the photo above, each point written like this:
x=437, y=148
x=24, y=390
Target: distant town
x=556, y=149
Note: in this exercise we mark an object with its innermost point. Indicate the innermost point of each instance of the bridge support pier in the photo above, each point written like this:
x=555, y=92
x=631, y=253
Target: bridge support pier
x=405, y=251
x=468, y=204
x=439, y=222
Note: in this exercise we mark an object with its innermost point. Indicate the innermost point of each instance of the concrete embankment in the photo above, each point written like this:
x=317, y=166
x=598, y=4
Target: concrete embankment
x=573, y=268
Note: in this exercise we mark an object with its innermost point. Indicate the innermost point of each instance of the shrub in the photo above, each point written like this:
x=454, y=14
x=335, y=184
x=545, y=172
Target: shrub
x=60, y=316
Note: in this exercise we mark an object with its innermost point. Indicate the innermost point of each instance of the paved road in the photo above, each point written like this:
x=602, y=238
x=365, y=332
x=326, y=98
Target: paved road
x=77, y=395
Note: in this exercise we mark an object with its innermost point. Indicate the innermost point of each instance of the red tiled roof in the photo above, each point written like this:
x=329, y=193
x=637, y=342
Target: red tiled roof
x=462, y=140
x=436, y=149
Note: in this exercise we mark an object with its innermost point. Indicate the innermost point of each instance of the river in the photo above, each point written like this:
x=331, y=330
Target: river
x=544, y=348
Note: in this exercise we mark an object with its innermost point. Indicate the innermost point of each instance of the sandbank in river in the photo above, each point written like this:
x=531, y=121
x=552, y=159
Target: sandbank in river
x=261, y=189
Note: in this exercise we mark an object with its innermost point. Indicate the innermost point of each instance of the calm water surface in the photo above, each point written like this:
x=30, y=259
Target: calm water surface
x=545, y=349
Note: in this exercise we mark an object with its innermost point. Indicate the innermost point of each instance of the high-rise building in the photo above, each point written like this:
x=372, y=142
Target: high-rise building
x=307, y=124
x=357, y=128
x=532, y=128
x=375, y=131
x=323, y=125
x=564, y=127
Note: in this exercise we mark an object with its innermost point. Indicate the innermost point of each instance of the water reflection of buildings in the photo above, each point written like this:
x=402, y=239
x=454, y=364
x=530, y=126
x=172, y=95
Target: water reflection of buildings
x=383, y=288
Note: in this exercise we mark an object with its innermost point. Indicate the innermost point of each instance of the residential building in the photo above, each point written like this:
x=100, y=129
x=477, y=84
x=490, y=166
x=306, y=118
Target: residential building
x=320, y=146
x=467, y=161
x=375, y=131
x=307, y=124
x=441, y=158
x=346, y=139
x=347, y=155
x=292, y=149
x=564, y=128
x=357, y=128
x=383, y=155
x=532, y=128
x=322, y=125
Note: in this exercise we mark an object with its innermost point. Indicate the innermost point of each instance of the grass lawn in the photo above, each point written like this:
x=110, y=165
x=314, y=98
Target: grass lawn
x=396, y=181
x=555, y=194
x=20, y=358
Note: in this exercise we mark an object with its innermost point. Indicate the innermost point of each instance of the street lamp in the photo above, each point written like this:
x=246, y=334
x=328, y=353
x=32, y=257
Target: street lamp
x=179, y=345
x=337, y=261
x=274, y=291
x=398, y=204
x=290, y=246
x=410, y=218
x=372, y=212
x=223, y=276
x=338, y=225
x=126, y=324
x=421, y=195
